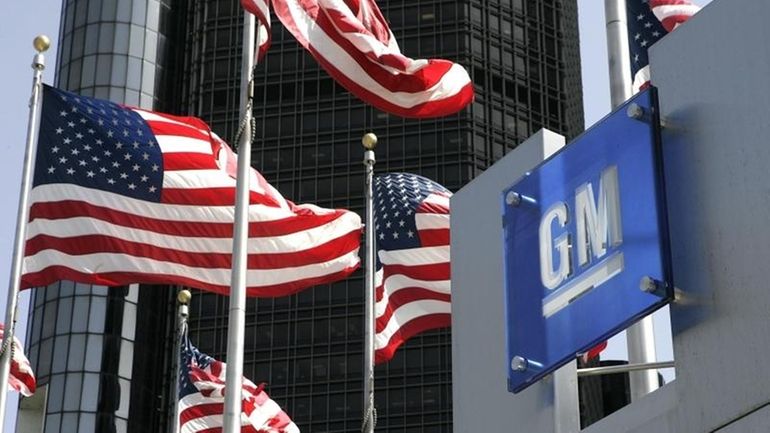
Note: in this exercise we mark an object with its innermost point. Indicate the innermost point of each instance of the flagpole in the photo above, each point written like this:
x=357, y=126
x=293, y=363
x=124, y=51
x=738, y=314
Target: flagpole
x=237, y=318
x=617, y=51
x=182, y=313
x=640, y=337
x=370, y=142
x=41, y=44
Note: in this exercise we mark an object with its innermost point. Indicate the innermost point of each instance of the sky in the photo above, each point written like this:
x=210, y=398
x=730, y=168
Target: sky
x=23, y=22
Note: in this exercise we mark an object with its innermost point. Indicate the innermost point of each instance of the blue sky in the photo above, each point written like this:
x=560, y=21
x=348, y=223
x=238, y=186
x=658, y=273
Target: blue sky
x=24, y=20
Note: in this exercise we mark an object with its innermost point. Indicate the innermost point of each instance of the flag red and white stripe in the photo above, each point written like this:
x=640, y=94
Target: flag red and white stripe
x=593, y=352
x=261, y=10
x=202, y=396
x=351, y=40
x=641, y=79
x=413, y=287
x=672, y=13
x=21, y=377
x=81, y=232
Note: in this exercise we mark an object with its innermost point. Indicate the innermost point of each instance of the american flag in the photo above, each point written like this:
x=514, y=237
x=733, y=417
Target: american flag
x=648, y=21
x=202, y=396
x=411, y=218
x=261, y=10
x=21, y=377
x=672, y=13
x=122, y=195
x=351, y=40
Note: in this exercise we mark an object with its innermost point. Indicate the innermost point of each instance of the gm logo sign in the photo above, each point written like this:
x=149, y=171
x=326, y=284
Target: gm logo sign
x=598, y=229
x=584, y=238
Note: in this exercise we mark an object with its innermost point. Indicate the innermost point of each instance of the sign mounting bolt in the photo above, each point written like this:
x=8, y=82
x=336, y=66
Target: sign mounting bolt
x=519, y=363
x=513, y=198
x=652, y=286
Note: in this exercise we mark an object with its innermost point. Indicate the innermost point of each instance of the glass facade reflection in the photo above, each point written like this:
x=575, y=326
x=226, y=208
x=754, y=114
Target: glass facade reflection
x=84, y=343
x=184, y=57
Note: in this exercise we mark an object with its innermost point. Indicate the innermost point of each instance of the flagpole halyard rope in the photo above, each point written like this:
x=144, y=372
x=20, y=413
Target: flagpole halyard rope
x=246, y=117
x=8, y=342
x=370, y=412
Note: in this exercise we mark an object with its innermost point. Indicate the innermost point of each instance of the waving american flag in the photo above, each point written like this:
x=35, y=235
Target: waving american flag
x=672, y=13
x=123, y=195
x=21, y=377
x=351, y=40
x=261, y=10
x=202, y=396
x=411, y=217
x=648, y=21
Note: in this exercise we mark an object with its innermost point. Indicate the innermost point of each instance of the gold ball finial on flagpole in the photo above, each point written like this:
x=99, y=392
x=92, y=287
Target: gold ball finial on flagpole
x=183, y=297
x=41, y=43
x=369, y=140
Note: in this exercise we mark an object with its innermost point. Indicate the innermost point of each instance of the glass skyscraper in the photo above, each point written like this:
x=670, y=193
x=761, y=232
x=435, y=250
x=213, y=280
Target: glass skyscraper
x=184, y=57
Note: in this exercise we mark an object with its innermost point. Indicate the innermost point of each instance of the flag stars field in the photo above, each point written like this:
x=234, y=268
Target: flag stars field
x=412, y=279
x=132, y=196
x=82, y=142
x=647, y=23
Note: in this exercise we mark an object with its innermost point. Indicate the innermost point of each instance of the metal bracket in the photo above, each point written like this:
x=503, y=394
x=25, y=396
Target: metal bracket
x=597, y=371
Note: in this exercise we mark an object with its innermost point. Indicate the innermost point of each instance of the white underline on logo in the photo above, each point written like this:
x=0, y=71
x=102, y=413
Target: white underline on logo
x=598, y=275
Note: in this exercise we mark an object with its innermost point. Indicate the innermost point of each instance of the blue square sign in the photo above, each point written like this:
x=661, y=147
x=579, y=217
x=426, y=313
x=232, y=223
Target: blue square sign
x=586, y=248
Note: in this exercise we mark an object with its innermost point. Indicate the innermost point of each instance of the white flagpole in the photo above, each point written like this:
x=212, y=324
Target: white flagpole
x=370, y=142
x=237, y=318
x=617, y=51
x=182, y=313
x=41, y=44
x=640, y=337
